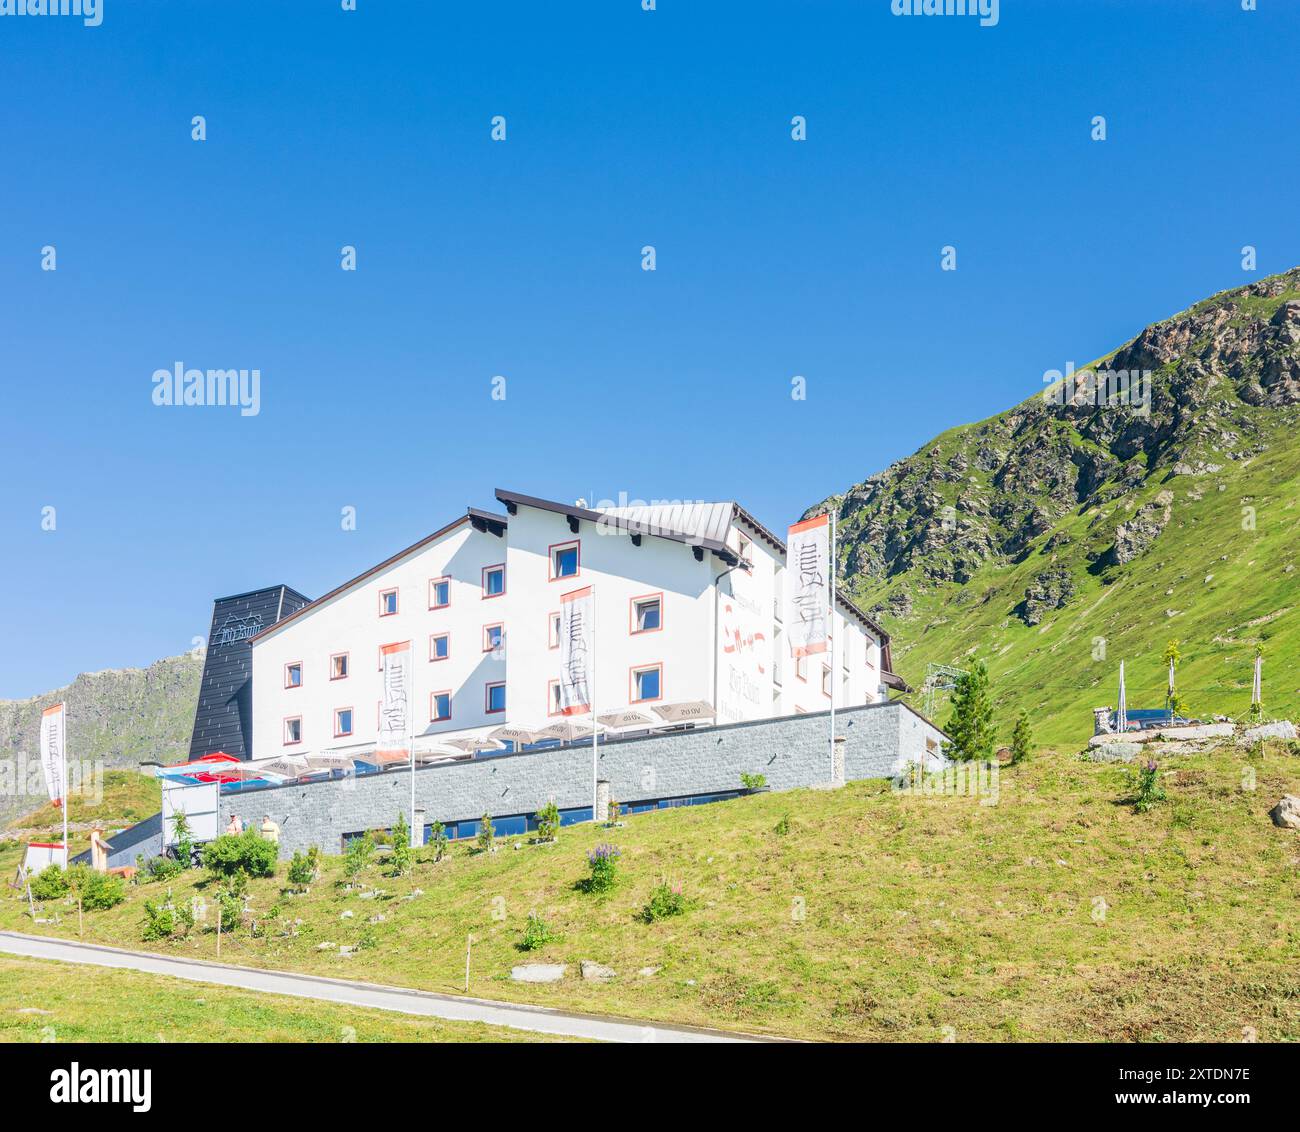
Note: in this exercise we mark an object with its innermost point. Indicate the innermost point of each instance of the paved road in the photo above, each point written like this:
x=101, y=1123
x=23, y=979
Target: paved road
x=537, y=1018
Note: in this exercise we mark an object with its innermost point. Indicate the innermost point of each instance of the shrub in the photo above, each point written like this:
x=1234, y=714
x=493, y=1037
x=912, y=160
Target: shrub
x=245, y=853
x=97, y=891
x=302, y=869
x=401, y=855
x=230, y=902
x=184, y=841
x=753, y=781
x=548, y=822
x=51, y=883
x=782, y=827
x=665, y=900
x=159, y=920
x=614, y=812
x=360, y=851
x=438, y=839
x=487, y=834
x=537, y=933
x=603, y=861
x=162, y=868
x=1022, y=739
x=1149, y=791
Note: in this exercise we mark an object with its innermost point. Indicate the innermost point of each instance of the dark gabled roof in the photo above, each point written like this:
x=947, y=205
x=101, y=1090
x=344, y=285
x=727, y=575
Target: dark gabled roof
x=481, y=521
x=264, y=590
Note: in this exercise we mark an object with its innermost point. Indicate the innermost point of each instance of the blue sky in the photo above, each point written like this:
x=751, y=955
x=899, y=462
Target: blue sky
x=522, y=258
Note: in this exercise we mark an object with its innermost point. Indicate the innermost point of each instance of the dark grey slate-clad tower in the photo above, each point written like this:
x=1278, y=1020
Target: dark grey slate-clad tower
x=224, y=718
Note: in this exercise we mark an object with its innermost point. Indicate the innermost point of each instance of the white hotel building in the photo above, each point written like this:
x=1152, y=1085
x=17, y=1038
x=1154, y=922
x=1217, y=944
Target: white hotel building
x=687, y=608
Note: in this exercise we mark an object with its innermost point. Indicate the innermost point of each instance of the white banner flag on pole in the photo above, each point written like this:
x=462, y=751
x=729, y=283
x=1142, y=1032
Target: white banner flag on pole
x=807, y=586
x=53, y=753
x=395, y=702
x=575, y=651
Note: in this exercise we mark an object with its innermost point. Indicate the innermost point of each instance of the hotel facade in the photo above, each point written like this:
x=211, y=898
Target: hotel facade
x=687, y=608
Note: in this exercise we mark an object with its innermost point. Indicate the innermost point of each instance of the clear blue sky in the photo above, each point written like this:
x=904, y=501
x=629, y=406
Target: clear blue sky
x=625, y=128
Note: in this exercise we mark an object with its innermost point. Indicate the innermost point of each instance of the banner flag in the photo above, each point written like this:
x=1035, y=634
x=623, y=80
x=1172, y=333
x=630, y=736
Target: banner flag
x=53, y=725
x=575, y=652
x=807, y=586
x=395, y=703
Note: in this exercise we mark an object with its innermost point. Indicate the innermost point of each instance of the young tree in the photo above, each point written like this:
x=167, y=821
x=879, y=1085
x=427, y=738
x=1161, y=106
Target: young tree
x=486, y=833
x=1173, y=701
x=401, y=857
x=971, y=725
x=1022, y=739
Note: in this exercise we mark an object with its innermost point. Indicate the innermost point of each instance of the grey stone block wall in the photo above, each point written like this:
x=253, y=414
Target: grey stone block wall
x=791, y=751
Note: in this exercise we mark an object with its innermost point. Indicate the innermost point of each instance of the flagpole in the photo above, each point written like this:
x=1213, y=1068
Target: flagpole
x=592, y=697
x=67, y=856
x=410, y=729
x=834, y=639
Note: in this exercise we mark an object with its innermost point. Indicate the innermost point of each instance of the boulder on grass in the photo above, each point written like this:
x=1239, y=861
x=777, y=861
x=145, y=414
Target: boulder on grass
x=596, y=971
x=1282, y=729
x=538, y=972
x=1286, y=813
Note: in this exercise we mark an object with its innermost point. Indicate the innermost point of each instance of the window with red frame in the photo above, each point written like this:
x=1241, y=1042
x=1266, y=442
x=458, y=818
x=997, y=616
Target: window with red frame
x=566, y=560
x=494, y=580
x=439, y=706
x=439, y=593
x=439, y=646
x=387, y=603
x=293, y=674
x=342, y=722
x=647, y=683
x=339, y=666
x=494, y=698
x=494, y=637
x=293, y=730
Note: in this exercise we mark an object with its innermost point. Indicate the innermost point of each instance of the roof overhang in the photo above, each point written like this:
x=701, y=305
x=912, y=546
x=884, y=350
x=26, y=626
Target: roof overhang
x=635, y=529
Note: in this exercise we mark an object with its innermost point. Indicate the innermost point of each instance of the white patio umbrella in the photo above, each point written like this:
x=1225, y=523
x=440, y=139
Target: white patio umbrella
x=1121, y=715
x=510, y=733
x=330, y=762
x=287, y=766
x=569, y=730
x=628, y=717
x=438, y=753
x=688, y=712
x=476, y=743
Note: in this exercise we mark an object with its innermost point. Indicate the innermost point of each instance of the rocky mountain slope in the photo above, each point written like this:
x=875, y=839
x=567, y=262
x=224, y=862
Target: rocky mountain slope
x=122, y=717
x=1063, y=535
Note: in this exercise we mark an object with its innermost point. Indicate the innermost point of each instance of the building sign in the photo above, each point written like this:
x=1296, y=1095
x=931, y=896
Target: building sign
x=238, y=629
x=744, y=687
x=395, y=703
x=53, y=739
x=807, y=586
x=576, y=646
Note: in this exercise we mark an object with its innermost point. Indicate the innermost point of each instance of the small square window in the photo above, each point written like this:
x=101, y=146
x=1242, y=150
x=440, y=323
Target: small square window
x=387, y=603
x=553, y=631
x=826, y=679
x=293, y=674
x=440, y=646
x=565, y=560
x=293, y=730
x=494, y=637
x=553, y=697
x=342, y=722
x=496, y=698
x=801, y=667
x=646, y=614
x=647, y=683
x=339, y=666
x=494, y=581
x=439, y=593
x=439, y=706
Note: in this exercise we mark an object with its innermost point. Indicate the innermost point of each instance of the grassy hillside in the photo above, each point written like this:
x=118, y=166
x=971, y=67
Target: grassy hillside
x=1058, y=913
x=1055, y=540
x=41, y=1000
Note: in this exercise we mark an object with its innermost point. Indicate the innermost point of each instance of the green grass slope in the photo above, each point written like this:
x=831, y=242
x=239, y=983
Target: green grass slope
x=1058, y=913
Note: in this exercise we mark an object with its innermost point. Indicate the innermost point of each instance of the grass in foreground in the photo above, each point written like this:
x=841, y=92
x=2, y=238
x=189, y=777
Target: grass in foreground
x=44, y=1000
x=1057, y=914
